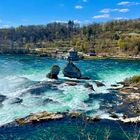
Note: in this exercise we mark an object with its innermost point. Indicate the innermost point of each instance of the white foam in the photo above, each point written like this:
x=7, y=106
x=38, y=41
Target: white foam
x=68, y=97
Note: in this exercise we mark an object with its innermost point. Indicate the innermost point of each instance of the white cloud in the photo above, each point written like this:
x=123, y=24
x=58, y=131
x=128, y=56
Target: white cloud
x=124, y=10
x=105, y=11
x=114, y=10
x=77, y=21
x=5, y=26
x=59, y=21
x=101, y=16
x=79, y=7
x=118, y=18
x=127, y=3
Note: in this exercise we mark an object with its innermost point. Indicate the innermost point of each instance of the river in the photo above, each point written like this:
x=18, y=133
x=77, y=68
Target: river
x=19, y=73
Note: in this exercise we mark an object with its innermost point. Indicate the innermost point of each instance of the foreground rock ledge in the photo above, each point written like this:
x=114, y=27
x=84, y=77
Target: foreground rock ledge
x=130, y=94
x=38, y=117
x=47, y=116
x=131, y=120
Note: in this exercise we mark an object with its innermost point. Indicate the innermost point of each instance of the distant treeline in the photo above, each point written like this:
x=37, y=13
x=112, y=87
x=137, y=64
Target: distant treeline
x=110, y=38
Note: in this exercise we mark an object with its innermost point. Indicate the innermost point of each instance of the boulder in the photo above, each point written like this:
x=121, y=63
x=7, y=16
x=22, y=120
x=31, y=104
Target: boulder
x=114, y=85
x=16, y=101
x=131, y=120
x=113, y=115
x=72, y=71
x=128, y=90
x=99, y=84
x=85, y=78
x=70, y=83
x=95, y=119
x=38, y=117
x=74, y=114
x=2, y=98
x=47, y=101
x=54, y=72
x=89, y=86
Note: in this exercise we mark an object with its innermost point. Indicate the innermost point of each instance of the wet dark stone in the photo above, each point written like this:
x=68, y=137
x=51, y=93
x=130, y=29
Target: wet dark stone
x=122, y=83
x=71, y=83
x=113, y=115
x=87, y=85
x=54, y=72
x=46, y=101
x=52, y=76
x=72, y=71
x=96, y=119
x=2, y=98
x=108, y=98
x=99, y=84
x=16, y=101
x=40, y=88
x=85, y=78
x=128, y=107
x=114, y=85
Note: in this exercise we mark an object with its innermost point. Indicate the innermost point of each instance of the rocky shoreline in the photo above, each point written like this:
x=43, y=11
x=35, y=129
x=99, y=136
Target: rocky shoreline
x=50, y=55
x=129, y=93
x=129, y=108
x=121, y=103
x=47, y=116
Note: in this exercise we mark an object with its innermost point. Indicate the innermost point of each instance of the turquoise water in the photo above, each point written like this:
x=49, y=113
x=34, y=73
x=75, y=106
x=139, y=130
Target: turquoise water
x=20, y=76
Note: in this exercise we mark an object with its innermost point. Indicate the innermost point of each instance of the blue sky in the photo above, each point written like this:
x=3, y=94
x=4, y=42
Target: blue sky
x=28, y=12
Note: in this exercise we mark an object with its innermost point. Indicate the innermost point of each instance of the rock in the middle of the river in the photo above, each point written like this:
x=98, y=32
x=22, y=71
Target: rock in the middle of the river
x=72, y=71
x=54, y=72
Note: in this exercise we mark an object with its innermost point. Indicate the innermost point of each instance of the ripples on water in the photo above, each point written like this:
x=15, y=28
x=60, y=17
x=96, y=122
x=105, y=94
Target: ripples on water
x=19, y=73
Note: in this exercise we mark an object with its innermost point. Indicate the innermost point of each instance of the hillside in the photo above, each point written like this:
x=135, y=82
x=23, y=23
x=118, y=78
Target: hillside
x=114, y=38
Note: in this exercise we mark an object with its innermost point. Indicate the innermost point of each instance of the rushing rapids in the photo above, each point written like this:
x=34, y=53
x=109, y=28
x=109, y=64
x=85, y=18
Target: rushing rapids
x=24, y=88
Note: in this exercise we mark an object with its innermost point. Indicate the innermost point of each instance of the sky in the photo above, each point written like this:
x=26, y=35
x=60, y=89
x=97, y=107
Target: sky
x=33, y=12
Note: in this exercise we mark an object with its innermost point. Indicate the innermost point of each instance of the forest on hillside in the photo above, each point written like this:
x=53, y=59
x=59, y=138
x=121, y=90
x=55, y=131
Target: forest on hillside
x=110, y=38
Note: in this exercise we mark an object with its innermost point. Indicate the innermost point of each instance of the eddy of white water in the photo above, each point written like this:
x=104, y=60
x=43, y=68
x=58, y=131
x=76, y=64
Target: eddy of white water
x=21, y=74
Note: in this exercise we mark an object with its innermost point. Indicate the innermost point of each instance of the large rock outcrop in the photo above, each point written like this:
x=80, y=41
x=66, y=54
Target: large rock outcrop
x=54, y=72
x=38, y=117
x=72, y=71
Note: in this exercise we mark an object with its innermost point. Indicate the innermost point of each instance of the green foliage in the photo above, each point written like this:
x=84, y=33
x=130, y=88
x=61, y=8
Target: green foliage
x=130, y=44
x=133, y=80
x=109, y=38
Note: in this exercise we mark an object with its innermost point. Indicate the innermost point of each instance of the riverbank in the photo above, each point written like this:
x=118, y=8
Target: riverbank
x=111, y=57
x=71, y=128
x=62, y=55
x=125, y=100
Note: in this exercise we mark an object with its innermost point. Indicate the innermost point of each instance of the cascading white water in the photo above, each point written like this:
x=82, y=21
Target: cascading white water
x=20, y=74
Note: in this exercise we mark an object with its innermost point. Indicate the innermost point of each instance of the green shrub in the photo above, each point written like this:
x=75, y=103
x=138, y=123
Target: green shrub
x=133, y=80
